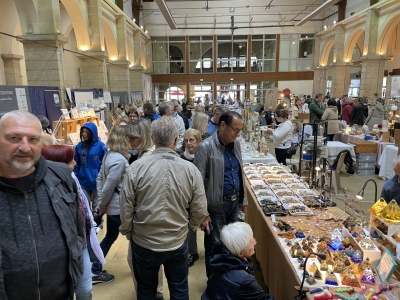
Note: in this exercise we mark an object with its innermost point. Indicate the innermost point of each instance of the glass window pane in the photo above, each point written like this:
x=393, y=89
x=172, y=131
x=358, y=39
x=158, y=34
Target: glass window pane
x=257, y=49
x=207, y=38
x=285, y=36
x=177, y=51
x=294, y=36
x=240, y=37
x=306, y=64
x=160, y=51
x=269, y=66
x=195, y=67
x=293, y=65
x=224, y=38
x=207, y=63
x=194, y=38
x=160, y=67
x=269, y=49
x=284, y=49
x=306, y=49
x=270, y=36
x=283, y=65
x=177, y=67
x=207, y=50
x=158, y=39
x=177, y=39
x=293, y=50
x=240, y=49
x=224, y=50
x=256, y=65
x=195, y=51
x=256, y=37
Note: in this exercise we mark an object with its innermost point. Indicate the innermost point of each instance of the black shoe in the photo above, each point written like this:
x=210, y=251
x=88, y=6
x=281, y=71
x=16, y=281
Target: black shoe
x=102, y=277
x=192, y=258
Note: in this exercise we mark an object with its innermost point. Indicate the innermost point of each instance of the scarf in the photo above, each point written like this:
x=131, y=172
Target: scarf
x=187, y=155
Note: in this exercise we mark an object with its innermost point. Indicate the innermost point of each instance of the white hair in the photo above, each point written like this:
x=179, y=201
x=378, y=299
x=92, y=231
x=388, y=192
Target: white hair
x=164, y=131
x=236, y=236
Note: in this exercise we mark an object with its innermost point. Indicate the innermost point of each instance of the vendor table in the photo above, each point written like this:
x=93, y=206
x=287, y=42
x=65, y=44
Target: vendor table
x=347, y=138
x=246, y=158
x=334, y=149
x=386, y=160
x=276, y=268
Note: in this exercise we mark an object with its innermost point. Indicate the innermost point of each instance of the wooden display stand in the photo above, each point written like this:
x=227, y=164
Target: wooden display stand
x=364, y=147
x=385, y=136
x=69, y=126
x=396, y=135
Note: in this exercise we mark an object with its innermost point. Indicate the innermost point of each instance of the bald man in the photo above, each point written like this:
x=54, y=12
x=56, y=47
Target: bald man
x=391, y=188
x=41, y=229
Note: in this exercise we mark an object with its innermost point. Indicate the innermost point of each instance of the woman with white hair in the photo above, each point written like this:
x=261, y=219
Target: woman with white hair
x=231, y=268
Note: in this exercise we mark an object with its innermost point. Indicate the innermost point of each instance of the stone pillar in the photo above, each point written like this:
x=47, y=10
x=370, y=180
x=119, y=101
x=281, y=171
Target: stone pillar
x=121, y=38
x=44, y=60
x=137, y=49
x=340, y=79
x=371, y=32
x=119, y=77
x=93, y=71
x=339, y=44
x=372, y=72
x=95, y=14
x=12, y=68
x=319, y=81
x=136, y=79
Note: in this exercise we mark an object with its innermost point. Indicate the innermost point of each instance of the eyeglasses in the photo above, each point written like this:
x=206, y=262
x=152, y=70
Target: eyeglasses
x=190, y=141
x=235, y=130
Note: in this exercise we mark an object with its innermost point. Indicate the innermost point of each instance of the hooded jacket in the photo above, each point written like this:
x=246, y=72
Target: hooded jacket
x=151, y=115
x=375, y=116
x=331, y=115
x=347, y=108
x=88, y=158
x=316, y=111
x=232, y=278
x=42, y=235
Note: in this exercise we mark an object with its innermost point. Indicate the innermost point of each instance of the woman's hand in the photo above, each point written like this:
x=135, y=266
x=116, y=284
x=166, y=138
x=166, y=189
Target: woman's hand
x=270, y=130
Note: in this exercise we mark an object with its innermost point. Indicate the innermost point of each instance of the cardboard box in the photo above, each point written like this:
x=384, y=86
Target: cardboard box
x=364, y=146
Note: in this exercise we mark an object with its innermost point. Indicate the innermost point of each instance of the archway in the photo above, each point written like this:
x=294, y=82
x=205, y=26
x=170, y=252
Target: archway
x=351, y=43
x=111, y=40
x=385, y=36
x=325, y=53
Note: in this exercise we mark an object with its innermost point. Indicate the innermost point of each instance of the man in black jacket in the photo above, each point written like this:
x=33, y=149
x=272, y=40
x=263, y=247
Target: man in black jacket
x=358, y=113
x=41, y=230
x=149, y=113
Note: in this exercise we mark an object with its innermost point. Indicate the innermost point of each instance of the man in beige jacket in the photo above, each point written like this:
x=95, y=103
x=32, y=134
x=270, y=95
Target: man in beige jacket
x=161, y=195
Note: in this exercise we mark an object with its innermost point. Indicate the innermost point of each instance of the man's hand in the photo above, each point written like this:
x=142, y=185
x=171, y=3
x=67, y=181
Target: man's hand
x=204, y=225
x=102, y=210
x=243, y=208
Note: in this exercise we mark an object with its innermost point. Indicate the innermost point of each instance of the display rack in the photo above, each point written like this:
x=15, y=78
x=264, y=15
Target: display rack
x=70, y=126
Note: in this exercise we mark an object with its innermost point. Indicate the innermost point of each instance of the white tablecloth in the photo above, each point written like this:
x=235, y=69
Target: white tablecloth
x=386, y=160
x=334, y=149
x=269, y=159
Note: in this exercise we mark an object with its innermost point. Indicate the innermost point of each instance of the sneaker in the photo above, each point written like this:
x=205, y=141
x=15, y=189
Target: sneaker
x=102, y=277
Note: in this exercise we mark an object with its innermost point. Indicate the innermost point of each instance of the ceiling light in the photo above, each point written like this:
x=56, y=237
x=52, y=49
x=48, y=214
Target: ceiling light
x=325, y=27
x=334, y=22
x=231, y=9
x=134, y=20
x=317, y=11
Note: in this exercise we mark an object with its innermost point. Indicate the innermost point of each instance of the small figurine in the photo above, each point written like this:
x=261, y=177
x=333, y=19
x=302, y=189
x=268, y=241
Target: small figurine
x=368, y=276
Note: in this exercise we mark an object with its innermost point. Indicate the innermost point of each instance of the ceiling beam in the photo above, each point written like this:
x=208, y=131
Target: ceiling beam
x=166, y=13
x=320, y=9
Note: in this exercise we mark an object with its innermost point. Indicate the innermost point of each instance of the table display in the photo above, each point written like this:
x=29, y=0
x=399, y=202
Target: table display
x=347, y=138
x=386, y=160
x=334, y=149
x=287, y=230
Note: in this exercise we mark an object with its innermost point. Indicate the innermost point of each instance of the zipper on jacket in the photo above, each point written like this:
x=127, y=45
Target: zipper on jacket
x=34, y=243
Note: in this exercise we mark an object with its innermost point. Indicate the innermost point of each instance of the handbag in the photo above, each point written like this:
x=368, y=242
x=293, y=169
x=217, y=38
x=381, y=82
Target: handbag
x=292, y=149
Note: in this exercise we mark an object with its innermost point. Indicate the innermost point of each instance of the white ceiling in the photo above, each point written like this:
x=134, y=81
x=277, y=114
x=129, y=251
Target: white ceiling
x=199, y=17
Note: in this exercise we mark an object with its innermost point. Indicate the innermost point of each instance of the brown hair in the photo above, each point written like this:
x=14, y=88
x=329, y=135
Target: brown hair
x=282, y=113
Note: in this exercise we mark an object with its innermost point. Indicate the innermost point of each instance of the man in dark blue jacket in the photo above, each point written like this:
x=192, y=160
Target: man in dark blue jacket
x=89, y=155
x=42, y=235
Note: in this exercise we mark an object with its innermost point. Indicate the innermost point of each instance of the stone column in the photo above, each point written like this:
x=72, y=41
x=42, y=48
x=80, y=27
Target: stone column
x=12, y=68
x=340, y=79
x=136, y=79
x=372, y=72
x=137, y=49
x=95, y=14
x=119, y=77
x=93, y=71
x=319, y=81
x=44, y=60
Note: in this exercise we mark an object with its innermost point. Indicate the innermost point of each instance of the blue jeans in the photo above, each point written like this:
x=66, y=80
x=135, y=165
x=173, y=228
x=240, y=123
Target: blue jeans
x=146, y=264
x=113, y=223
x=218, y=220
x=83, y=289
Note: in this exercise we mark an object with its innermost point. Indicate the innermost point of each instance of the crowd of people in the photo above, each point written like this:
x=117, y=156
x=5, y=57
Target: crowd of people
x=156, y=181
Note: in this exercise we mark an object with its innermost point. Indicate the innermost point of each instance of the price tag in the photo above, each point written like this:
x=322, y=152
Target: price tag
x=273, y=218
x=390, y=295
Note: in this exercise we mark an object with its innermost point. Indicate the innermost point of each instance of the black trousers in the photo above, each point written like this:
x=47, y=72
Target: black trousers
x=281, y=155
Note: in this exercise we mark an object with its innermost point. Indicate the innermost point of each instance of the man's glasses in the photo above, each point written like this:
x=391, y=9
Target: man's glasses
x=235, y=130
x=190, y=141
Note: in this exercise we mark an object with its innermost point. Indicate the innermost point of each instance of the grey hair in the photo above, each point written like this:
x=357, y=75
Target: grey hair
x=200, y=121
x=318, y=95
x=221, y=109
x=141, y=128
x=164, y=106
x=20, y=115
x=164, y=131
x=236, y=236
x=298, y=125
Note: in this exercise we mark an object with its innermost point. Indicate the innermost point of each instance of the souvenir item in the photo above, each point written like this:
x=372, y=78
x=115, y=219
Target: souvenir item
x=331, y=279
x=347, y=242
x=357, y=256
x=367, y=243
x=336, y=234
x=313, y=267
x=364, y=264
x=310, y=280
x=324, y=266
x=391, y=212
x=317, y=274
x=368, y=276
x=289, y=235
x=336, y=244
x=299, y=234
x=296, y=251
x=349, y=251
x=377, y=207
x=356, y=230
x=349, y=278
x=396, y=236
x=339, y=267
x=321, y=246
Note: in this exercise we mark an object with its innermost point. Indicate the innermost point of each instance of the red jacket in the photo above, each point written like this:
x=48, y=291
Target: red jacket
x=347, y=108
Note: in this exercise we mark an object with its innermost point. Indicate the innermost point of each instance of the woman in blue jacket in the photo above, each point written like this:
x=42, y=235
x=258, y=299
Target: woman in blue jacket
x=231, y=268
x=89, y=154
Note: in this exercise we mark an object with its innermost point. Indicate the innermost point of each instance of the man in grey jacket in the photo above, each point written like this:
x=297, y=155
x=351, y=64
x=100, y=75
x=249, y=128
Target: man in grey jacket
x=167, y=109
x=41, y=230
x=161, y=195
x=219, y=161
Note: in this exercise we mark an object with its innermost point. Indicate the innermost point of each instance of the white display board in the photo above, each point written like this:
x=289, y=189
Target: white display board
x=107, y=97
x=83, y=98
